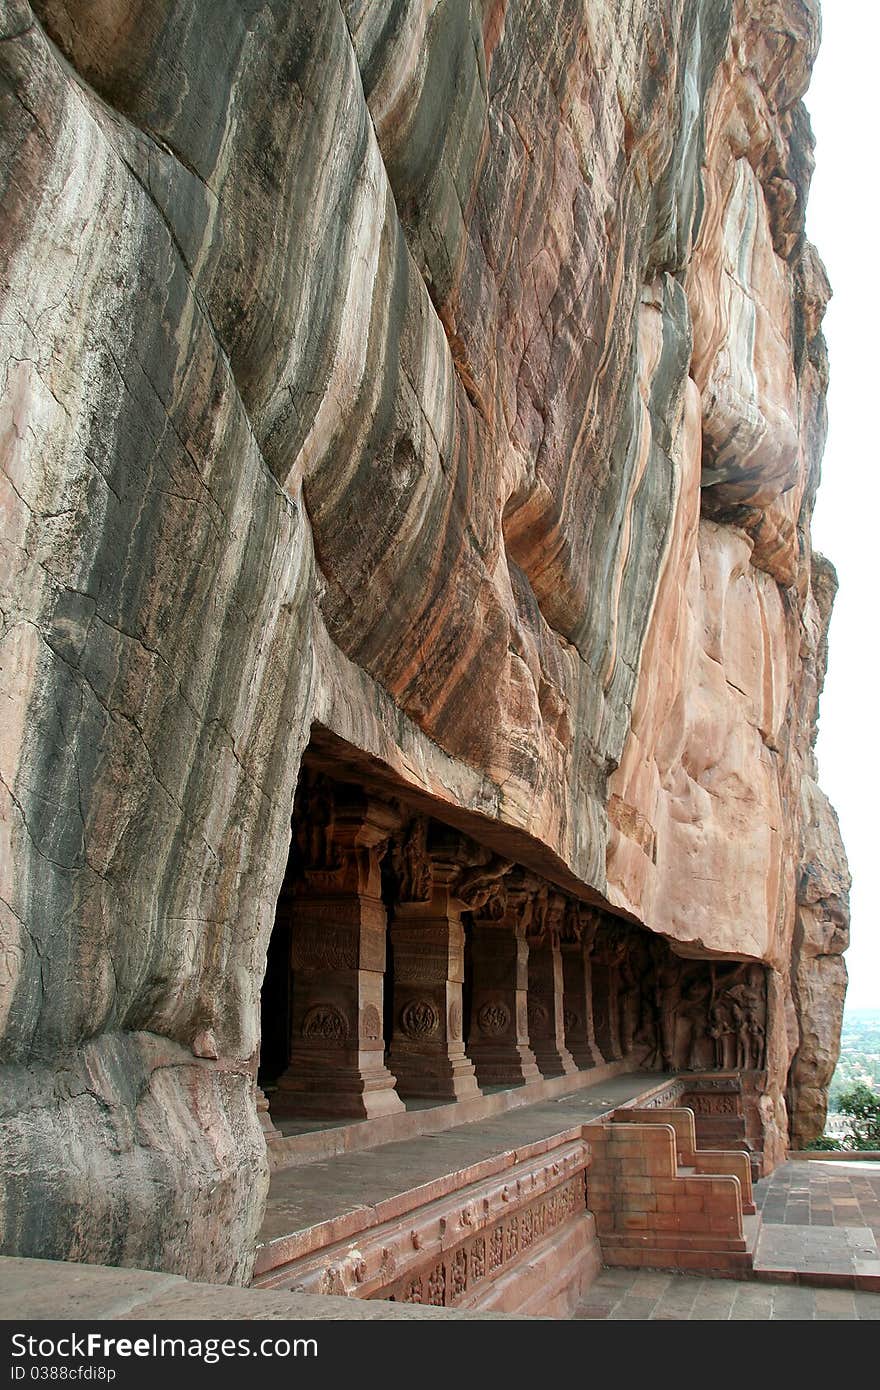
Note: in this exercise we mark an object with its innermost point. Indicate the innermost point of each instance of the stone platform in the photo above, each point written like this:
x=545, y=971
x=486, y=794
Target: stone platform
x=299, y=1141
x=821, y=1223
x=49, y=1290
x=490, y=1214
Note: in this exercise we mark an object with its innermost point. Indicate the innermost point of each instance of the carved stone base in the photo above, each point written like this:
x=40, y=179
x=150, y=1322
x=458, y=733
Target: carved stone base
x=546, y=1029
x=577, y=1011
x=338, y=1089
x=435, y=1075
x=263, y=1115
x=498, y=1040
x=512, y=1064
x=552, y=1059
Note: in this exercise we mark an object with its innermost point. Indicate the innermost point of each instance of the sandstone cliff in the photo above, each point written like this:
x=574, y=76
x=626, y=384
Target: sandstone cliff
x=443, y=374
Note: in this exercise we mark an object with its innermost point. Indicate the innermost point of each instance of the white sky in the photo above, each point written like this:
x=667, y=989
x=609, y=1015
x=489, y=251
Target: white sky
x=843, y=219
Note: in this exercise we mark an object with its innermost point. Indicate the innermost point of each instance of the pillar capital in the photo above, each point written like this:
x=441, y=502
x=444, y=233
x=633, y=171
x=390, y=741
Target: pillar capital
x=341, y=836
x=547, y=920
x=609, y=943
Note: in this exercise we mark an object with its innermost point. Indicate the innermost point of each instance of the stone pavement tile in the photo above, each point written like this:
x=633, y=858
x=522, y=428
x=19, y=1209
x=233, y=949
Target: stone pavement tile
x=652, y=1281
x=679, y=1300
x=867, y=1306
x=792, y=1303
x=861, y=1238
x=833, y=1304
x=633, y=1308
x=596, y=1309
x=618, y=1278
x=711, y=1308
x=753, y=1303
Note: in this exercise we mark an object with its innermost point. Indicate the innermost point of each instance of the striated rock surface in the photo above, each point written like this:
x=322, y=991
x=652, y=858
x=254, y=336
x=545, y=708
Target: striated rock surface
x=449, y=377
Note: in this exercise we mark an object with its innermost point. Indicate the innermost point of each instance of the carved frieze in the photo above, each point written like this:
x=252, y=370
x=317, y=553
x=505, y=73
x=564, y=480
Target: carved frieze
x=435, y=1283
x=324, y=948
x=490, y=1253
x=412, y=863
x=441, y=1252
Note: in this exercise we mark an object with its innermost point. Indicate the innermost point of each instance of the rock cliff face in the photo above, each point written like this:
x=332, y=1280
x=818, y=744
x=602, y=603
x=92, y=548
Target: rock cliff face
x=443, y=374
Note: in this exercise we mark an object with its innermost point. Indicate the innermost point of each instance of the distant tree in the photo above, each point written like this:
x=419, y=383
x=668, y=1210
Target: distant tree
x=861, y=1105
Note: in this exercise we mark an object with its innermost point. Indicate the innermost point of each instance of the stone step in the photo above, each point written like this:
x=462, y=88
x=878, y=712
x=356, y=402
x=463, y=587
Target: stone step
x=827, y=1256
x=707, y=1254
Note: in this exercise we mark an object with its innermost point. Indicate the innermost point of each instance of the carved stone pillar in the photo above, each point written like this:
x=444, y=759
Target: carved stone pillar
x=427, y=1052
x=581, y=925
x=498, y=1038
x=545, y=1002
x=337, y=1066
x=607, y=953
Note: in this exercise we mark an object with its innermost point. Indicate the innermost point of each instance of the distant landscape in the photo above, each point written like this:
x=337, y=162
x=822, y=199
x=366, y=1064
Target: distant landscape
x=859, y=1054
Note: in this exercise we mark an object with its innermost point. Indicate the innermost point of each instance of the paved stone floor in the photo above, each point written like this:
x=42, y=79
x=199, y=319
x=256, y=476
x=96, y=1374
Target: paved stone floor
x=821, y=1220
x=813, y=1193
x=645, y=1295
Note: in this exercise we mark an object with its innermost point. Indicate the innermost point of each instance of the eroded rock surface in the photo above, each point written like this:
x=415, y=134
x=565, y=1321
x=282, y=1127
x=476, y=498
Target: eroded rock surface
x=448, y=375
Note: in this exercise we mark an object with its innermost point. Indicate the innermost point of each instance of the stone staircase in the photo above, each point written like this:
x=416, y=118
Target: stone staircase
x=726, y=1112
x=663, y=1203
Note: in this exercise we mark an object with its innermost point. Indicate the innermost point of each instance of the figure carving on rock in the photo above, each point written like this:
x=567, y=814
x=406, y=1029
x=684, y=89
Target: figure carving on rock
x=412, y=863
x=757, y=1040
x=721, y=1031
x=741, y=1033
x=755, y=1009
x=481, y=888
x=748, y=1011
x=315, y=815
x=611, y=943
x=538, y=916
x=630, y=1002
x=588, y=924
x=668, y=971
x=648, y=1032
x=694, y=1013
x=573, y=924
